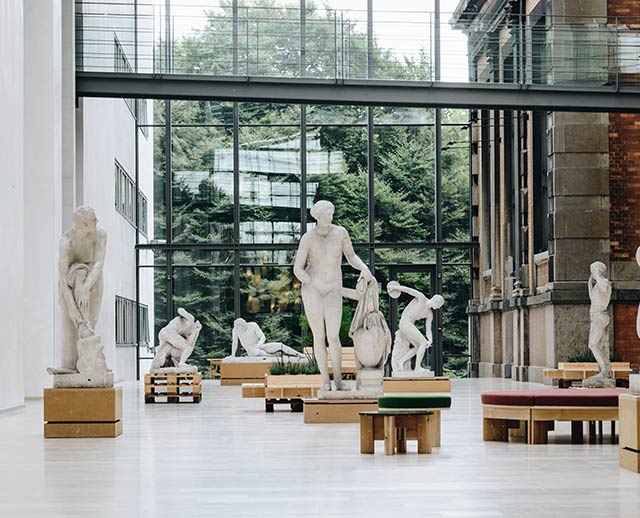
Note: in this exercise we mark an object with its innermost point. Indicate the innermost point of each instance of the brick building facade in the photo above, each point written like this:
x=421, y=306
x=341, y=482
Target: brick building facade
x=552, y=191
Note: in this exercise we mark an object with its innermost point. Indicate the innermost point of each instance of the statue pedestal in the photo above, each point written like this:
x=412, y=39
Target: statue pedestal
x=634, y=384
x=599, y=383
x=337, y=410
x=82, y=412
x=413, y=374
x=369, y=381
x=402, y=384
x=629, y=415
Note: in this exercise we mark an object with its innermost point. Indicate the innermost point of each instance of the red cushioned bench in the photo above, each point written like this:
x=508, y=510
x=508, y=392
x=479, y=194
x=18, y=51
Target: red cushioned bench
x=533, y=413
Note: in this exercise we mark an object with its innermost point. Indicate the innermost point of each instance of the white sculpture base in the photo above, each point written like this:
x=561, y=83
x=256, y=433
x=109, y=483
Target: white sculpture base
x=413, y=374
x=186, y=369
x=599, y=383
x=370, y=381
x=83, y=380
x=634, y=384
x=263, y=359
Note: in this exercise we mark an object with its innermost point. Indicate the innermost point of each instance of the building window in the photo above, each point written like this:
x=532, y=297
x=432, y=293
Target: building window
x=540, y=191
x=121, y=64
x=125, y=199
x=126, y=322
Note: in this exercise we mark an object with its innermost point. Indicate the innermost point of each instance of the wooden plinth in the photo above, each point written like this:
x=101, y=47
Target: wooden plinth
x=82, y=412
x=239, y=373
x=629, y=410
x=172, y=388
x=395, y=428
x=337, y=410
x=420, y=385
x=253, y=390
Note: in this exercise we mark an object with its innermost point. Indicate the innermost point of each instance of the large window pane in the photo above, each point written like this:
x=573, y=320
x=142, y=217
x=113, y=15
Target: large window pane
x=404, y=184
x=337, y=171
x=207, y=293
x=455, y=183
x=270, y=296
x=455, y=344
x=202, y=163
x=269, y=184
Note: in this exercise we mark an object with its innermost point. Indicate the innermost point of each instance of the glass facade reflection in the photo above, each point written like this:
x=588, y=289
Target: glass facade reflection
x=234, y=183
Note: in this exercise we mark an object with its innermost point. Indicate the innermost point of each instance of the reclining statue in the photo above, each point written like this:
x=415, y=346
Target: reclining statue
x=175, y=344
x=255, y=342
x=409, y=341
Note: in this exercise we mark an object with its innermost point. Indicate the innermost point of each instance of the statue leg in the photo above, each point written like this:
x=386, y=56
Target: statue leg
x=333, y=319
x=163, y=350
x=599, y=343
x=312, y=300
x=418, y=340
x=69, y=352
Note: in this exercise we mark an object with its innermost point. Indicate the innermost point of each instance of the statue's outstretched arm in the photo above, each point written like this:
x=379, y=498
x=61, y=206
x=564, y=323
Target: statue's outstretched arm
x=261, y=338
x=396, y=286
x=429, y=328
x=352, y=257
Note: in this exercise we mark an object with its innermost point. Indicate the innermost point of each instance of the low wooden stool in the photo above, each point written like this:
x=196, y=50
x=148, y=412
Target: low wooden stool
x=395, y=427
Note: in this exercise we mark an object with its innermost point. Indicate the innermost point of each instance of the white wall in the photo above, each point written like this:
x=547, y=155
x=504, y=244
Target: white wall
x=11, y=203
x=108, y=133
x=42, y=187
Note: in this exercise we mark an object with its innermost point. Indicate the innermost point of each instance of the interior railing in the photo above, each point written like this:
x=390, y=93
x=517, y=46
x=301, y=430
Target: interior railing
x=226, y=38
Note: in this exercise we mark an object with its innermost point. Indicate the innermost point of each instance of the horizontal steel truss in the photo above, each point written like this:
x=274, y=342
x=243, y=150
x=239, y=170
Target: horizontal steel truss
x=361, y=92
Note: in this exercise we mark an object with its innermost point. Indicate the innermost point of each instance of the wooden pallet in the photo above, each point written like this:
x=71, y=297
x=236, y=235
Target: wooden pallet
x=173, y=388
x=297, y=404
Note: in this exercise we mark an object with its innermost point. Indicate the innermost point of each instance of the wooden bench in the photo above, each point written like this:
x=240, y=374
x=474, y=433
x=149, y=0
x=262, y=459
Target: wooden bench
x=395, y=427
x=569, y=372
x=532, y=413
x=290, y=389
x=214, y=367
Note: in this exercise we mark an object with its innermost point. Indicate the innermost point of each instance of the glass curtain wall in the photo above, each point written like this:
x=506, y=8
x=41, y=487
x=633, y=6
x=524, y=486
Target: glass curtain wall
x=233, y=185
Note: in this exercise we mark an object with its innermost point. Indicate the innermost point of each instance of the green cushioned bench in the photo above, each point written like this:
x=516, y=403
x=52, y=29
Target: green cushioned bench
x=414, y=402
x=418, y=401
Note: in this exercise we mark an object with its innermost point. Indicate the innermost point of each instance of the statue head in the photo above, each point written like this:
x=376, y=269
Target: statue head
x=240, y=322
x=437, y=301
x=84, y=219
x=322, y=211
x=598, y=268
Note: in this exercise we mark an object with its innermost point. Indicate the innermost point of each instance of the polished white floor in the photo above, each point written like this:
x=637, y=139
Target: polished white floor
x=227, y=458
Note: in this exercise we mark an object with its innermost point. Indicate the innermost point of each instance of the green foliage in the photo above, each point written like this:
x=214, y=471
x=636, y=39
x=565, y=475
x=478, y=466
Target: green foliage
x=589, y=358
x=283, y=366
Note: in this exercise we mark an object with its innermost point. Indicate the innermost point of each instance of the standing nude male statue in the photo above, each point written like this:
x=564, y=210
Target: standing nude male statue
x=176, y=342
x=318, y=266
x=408, y=334
x=255, y=342
x=600, y=294
x=82, y=253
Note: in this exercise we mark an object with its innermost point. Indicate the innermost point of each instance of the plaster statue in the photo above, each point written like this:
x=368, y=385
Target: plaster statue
x=318, y=267
x=175, y=344
x=600, y=294
x=82, y=252
x=409, y=341
x=255, y=342
x=371, y=339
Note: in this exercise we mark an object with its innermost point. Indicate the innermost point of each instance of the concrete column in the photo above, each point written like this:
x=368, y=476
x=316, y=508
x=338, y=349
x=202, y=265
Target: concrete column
x=42, y=187
x=11, y=204
x=68, y=61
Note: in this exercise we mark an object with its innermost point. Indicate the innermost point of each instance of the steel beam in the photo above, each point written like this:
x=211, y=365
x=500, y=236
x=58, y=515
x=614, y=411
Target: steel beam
x=360, y=92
